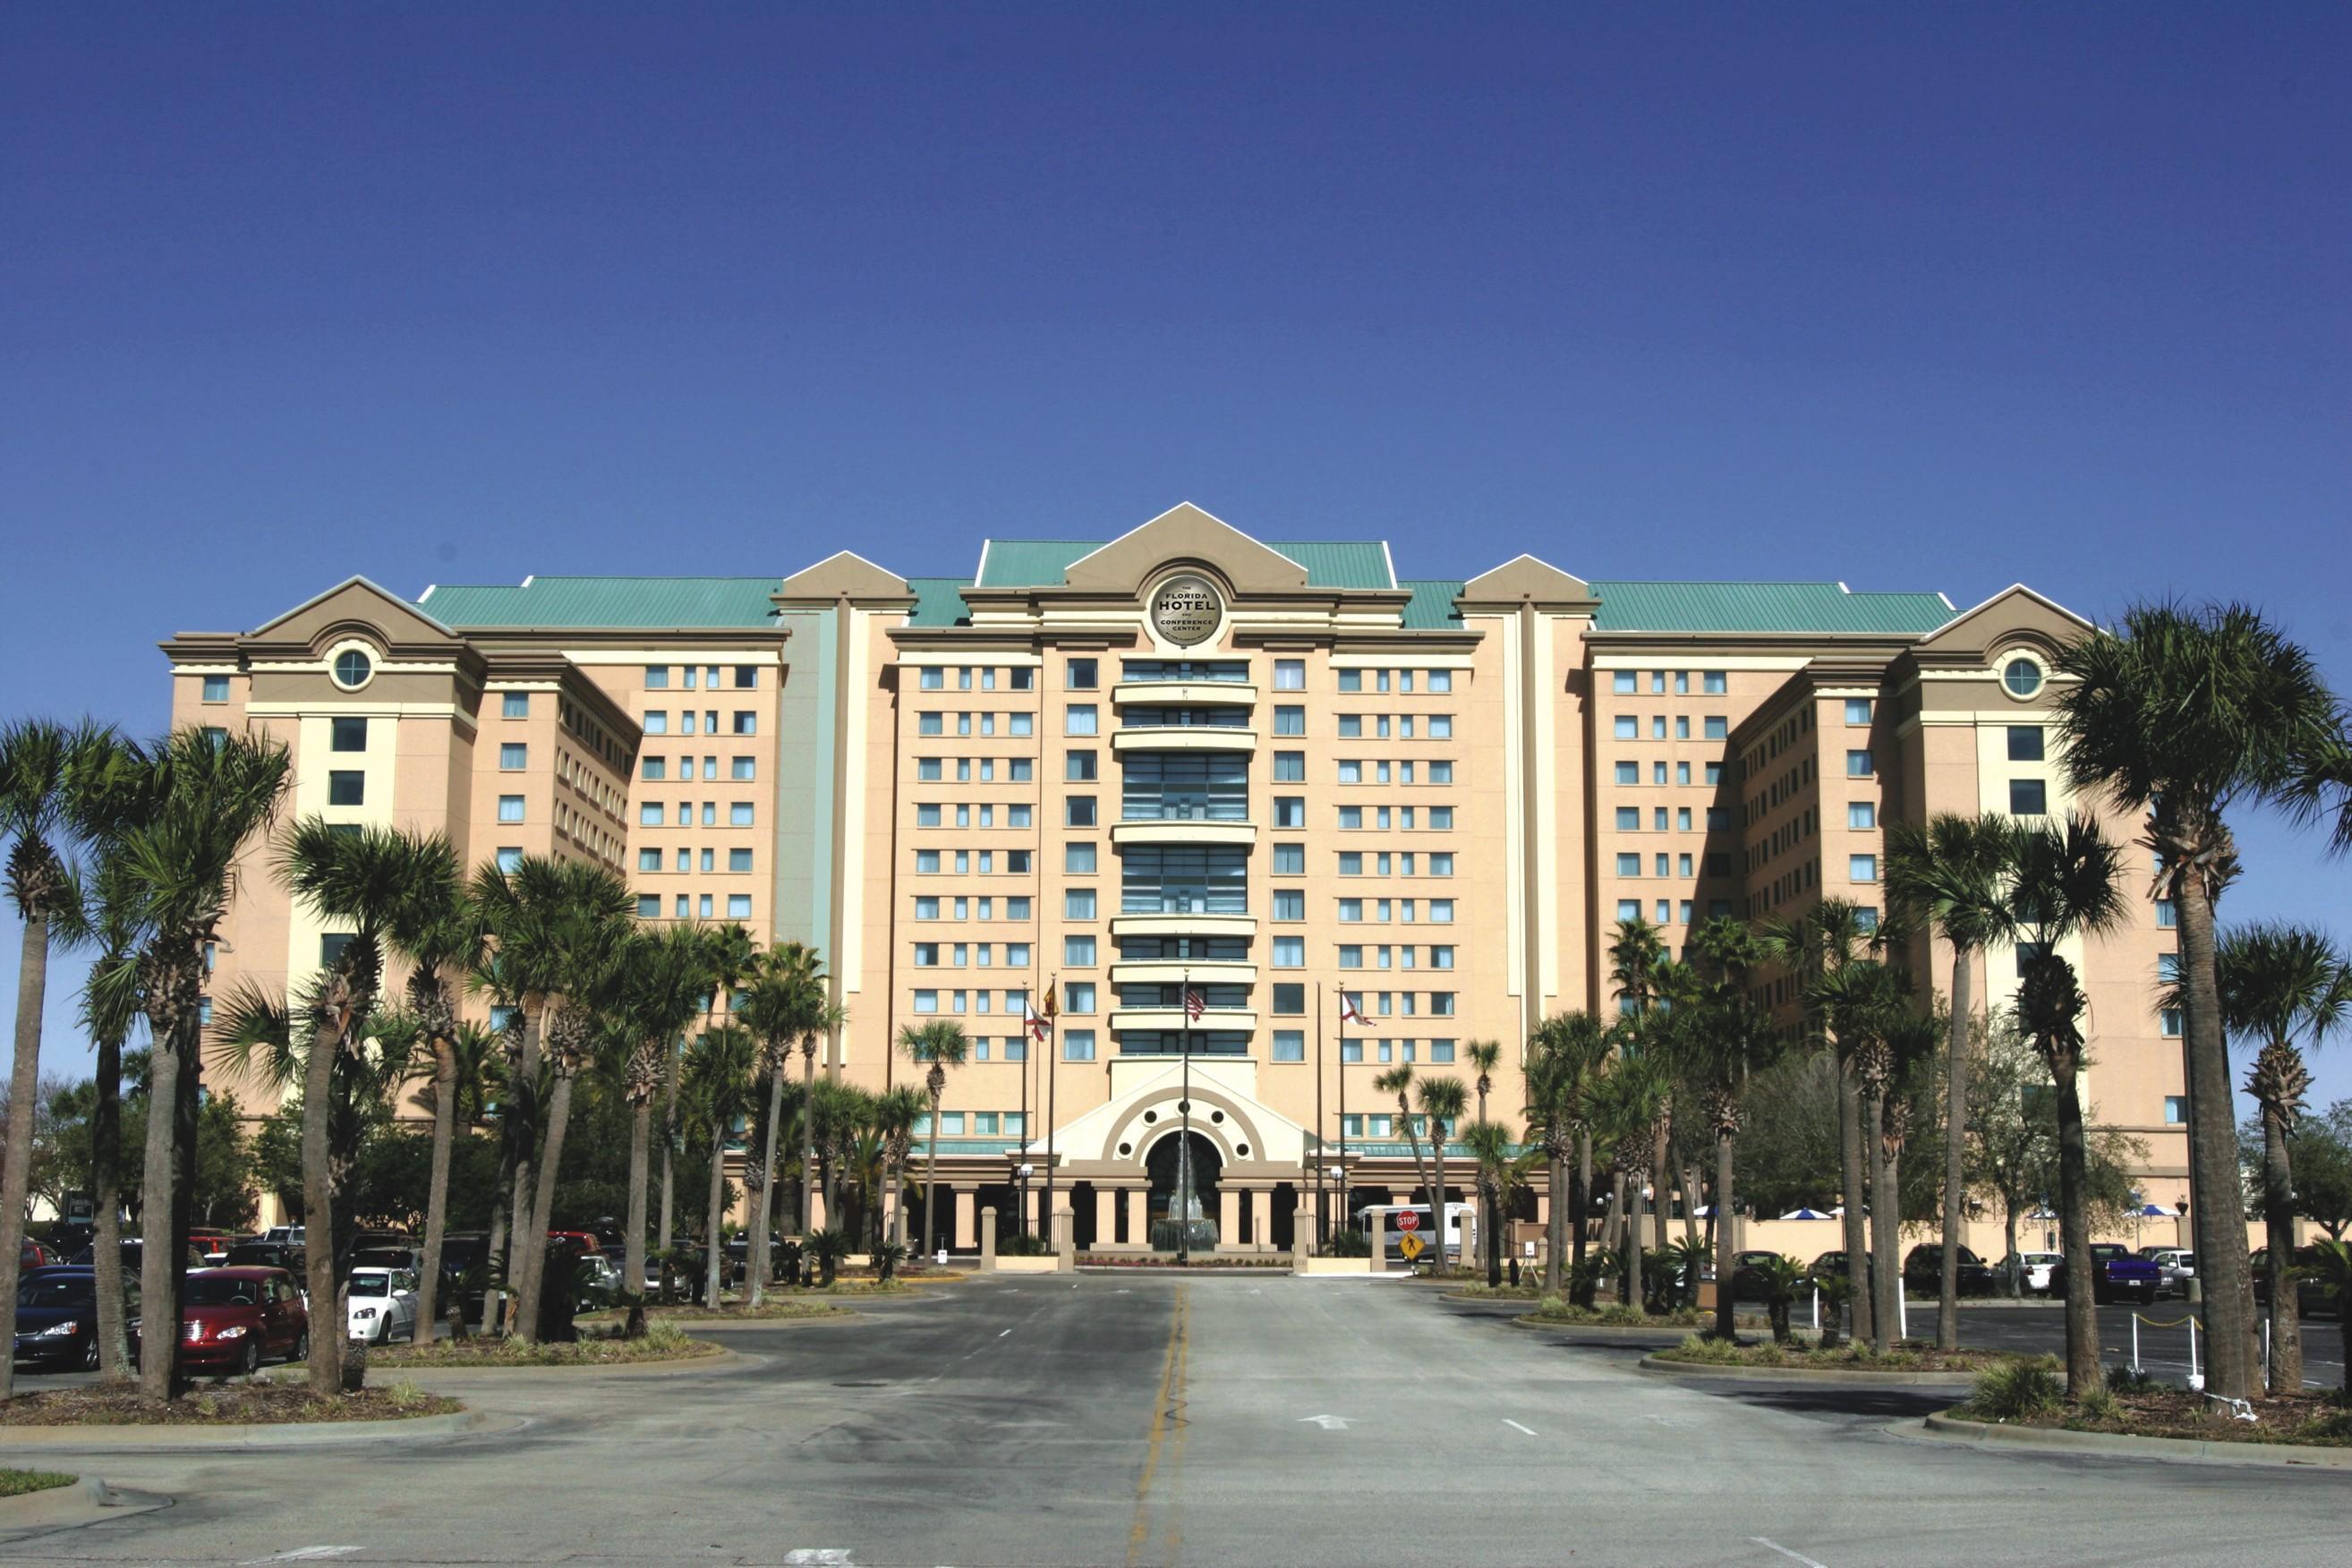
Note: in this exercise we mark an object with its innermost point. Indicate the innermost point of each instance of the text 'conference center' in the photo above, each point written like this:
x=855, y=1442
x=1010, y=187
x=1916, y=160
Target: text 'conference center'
x=1274, y=774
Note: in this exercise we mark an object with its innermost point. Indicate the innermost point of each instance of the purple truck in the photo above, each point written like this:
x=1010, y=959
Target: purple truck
x=2117, y=1276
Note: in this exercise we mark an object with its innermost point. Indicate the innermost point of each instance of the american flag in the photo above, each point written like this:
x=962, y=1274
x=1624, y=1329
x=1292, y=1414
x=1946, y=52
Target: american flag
x=1348, y=1013
x=1193, y=1005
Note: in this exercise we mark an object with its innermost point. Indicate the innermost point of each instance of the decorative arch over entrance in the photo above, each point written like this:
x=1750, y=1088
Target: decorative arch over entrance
x=1170, y=1203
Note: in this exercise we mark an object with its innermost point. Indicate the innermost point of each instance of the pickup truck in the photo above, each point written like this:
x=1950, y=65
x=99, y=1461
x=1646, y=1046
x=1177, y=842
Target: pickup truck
x=2117, y=1276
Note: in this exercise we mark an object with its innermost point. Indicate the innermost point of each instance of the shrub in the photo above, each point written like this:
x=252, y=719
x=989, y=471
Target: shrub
x=1018, y=1244
x=886, y=1258
x=828, y=1248
x=1349, y=1244
x=1555, y=1306
x=2099, y=1405
x=2018, y=1390
x=2131, y=1380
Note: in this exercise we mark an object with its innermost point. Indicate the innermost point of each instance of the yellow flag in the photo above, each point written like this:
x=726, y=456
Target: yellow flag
x=1051, y=1008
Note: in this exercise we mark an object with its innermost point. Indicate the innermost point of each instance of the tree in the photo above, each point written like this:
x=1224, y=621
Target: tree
x=2323, y=1168
x=38, y=762
x=2177, y=717
x=2278, y=981
x=935, y=1046
x=1442, y=1101
x=785, y=999
x=1484, y=1056
x=728, y=956
x=1562, y=1056
x=1732, y=1039
x=1952, y=877
x=1502, y=1173
x=717, y=1083
x=897, y=1113
x=2066, y=887
x=113, y=924
x=661, y=994
x=1623, y=1106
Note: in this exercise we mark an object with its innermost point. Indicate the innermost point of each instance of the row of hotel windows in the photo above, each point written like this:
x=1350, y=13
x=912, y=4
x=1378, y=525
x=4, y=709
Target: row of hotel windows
x=1629, y=863
x=1019, y=770
x=1671, y=911
x=738, y=860
x=1439, y=773
x=746, y=722
x=1713, y=727
x=656, y=769
x=686, y=906
x=651, y=814
x=1287, y=1000
x=1081, y=952
x=1629, y=819
x=658, y=676
x=1628, y=773
x=1712, y=682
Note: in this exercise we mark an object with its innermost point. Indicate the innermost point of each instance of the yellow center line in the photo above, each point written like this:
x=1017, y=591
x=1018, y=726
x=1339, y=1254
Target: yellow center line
x=1140, y=1531
x=1179, y=1420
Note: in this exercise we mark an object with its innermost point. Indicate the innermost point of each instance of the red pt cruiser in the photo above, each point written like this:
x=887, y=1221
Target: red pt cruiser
x=232, y=1319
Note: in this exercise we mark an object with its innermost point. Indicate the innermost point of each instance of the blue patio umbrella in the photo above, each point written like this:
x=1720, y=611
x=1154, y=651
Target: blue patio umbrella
x=1804, y=1214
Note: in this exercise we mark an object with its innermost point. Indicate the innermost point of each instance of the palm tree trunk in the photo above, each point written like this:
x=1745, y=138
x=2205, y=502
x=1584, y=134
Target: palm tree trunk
x=543, y=1208
x=1851, y=1175
x=808, y=1130
x=318, y=1207
x=1612, y=1226
x=106, y=1183
x=1725, y=1314
x=158, y=1263
x=1686, y=1188
x=1885, y=1227
x=632, y=1244
x=2217, y=1193
x=1635, y=1295
x=1556, y=1226
x=2278, y=1230
x=436, y=1197
x=23, y=1085
x=669, y=1147
x=1956, y=1150
x=755, y=1272
x=2009, y=1236
x=931, y=1170
x=501, y=1226
x=2082, y=1373
x=1661, y=1161
x=1579, y=1196
x=714, y=1243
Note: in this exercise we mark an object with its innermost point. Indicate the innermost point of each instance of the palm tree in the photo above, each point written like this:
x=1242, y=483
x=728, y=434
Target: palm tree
x=897, y=1112
x=180, y=815
x=1623, y=1105
x=1443, y=1100
x=1635, y=952
x=38, y=760
x=438, y=931
x=1813, y=950
x=1484, y=1056
x=358, y=879
x=1865, y=1002
x=1398, y=1080
x=2178, y=716
x=1564, y=1054
x=838, y=1114
x=935, y=1047
x=2278, y=981
x=2066, y=887
x=786, y=998
x=1502, y=1173
x=1732, y=1038
x=717, y=1083
x=662, y=995
x=111, y=920
x=1952, y=877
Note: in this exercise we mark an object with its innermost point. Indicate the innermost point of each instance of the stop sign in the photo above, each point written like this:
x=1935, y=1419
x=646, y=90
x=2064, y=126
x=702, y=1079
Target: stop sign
x=1407, y=1220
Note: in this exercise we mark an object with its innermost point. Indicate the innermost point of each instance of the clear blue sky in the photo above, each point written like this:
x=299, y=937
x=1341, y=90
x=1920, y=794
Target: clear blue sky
x=1909, y=296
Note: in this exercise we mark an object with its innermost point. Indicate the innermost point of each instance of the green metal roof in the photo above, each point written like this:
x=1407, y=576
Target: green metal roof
x=938, y=601
x=1431, y=608
x=1041, y=563
x=1763, y=607
x=664, y=601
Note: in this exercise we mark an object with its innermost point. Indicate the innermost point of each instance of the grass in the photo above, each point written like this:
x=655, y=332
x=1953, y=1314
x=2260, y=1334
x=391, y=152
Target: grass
x=16, y=1483
x=1483, y=1291
x=782, y=1306
x=1700, y=1352
x=220, y=1404
x=1559, y=1310
x=663, y=1342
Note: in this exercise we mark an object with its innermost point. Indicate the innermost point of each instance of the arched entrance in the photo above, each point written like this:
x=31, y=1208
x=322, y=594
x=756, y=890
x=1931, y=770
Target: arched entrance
x=1168, y=1169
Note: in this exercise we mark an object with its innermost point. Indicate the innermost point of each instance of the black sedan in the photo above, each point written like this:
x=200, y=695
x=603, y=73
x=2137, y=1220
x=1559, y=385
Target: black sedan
x=57, y=1317
x=1923, y=1273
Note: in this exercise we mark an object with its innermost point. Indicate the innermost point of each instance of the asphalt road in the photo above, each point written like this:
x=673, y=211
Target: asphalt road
x=1134, y=1419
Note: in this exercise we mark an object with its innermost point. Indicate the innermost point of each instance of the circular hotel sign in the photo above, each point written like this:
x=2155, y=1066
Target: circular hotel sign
x=1186, y=610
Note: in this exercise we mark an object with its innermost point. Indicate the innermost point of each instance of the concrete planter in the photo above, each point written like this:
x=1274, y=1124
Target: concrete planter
x=2180, y=1450
x=1047, y=1264
x=1315, y=1266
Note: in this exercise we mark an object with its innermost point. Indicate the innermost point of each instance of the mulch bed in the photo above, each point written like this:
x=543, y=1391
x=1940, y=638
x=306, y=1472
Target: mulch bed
x=2314, y=1420
x=1846, y=1357
x=795, y=1305
x=227, y=1404
x=664, y=1344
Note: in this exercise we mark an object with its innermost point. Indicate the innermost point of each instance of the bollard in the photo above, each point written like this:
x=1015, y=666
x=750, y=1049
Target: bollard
x=987, y=1239
x=2195, y=1378
x=2135, y=1342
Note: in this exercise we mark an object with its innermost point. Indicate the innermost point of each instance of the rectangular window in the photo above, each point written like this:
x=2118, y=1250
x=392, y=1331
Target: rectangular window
x=1080, y=719
x=1290, y=952
x=1629, y=819
x=1352, y=680
x=1078, y=1046
x=215, y=688
x=1861, y=815
x=1629, y=728
x=1717, y=727
x=1290, y=859
x=513, y=756
x=1289, y=811
x=1629, y=865
x=2025, y=742
x=1859, y=766
x=347, y=788
x=1079, y=904
x=1081, y=675
x=738, y=906
x=1289, y=1044
x=2176, y=1110
x=1078, y=996
x=1289, y=720
x=1078, y=811
x=515, y=705
x=350, y=734
x=739, y=861
x=1290, y=767
x=1291, y=675
x=654, y=769
x=656, y=723
x=741, y=769
x=739, y=814
x=1626, y=682
x=1629, y=773
x=1857, y=710
x=650, y=812
x=649, y=906
x=1289, y=904
x=747, y=722
x=927, y=1002
x=2167, y=914
x=657, y=678
x=1861, y=867
x=648, y=859
x=2029, y=798
x=1290, y=999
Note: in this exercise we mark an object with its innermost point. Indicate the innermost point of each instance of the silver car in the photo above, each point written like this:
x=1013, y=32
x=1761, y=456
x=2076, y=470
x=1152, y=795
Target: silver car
x=2175, y=1267
x=2037, y=1272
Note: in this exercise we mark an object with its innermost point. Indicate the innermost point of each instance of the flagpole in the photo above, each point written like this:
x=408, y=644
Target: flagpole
x=1021, y=1151
x=1346, y=1218
x=1184, y=1149
x=1052, y=988
x=1321, y=1197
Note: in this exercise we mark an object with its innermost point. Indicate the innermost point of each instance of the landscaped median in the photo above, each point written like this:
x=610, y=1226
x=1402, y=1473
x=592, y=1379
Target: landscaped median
x=662, y=1343
x=1554, y=1312
x=245, y=1413
x=2025, y=1402
x=21, y=1483
x=1768, y=1359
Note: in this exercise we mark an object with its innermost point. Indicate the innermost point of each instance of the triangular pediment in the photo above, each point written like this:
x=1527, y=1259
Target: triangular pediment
x=2017, y=614
x=354, y=604
x=1185, y=533
x=1525, y=579
x=845, y=574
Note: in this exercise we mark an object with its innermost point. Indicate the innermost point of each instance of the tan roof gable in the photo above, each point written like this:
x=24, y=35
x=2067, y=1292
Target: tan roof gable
x=1185, y=533
x=1525, y=579
x=354, y=604
x=2016, y=613
x=845, y=574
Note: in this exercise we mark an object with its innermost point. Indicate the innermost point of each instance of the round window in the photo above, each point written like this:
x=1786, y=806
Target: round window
x=2022, y=676
x=352, y=668
x=1242, y=1151
x=1150, y=1117
x=1217, y=1116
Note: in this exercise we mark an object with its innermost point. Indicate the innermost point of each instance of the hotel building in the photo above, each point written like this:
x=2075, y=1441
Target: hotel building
x=1272, y=773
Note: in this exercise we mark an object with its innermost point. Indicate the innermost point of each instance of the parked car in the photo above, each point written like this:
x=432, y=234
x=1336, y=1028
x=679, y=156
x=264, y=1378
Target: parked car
x=2175, y=1267
x=234, y=1318
x=2117, y=1276
x=1829, y=1263
x=296, y=1235
x=210, y=1243
x=1923, y=1273
x=133, y=1253
x=382, y=1305
x=410, y=1258
x=1747, y=1281
x=57, y=1317
x=2311, y=1297
x=2038, y=1273
x=33, y=1255
x=284, y=1255
x=596, y=1281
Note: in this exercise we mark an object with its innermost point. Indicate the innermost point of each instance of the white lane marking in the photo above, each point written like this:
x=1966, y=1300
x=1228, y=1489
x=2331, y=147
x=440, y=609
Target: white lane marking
x=1528, y=1430
x=303, y=1554
x=1328, y=1423
x=1793, y=1556
x=1001, y=1333
x=817, y=1557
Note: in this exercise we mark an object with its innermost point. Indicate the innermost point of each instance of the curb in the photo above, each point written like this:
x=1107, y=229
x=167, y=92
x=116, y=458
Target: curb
x=1609, y=1331
x=282, y=1435
x=2176, y=1450
x=87, y=1501
x=735, y=1326
x=1808, y=1375
x=673, y=1367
